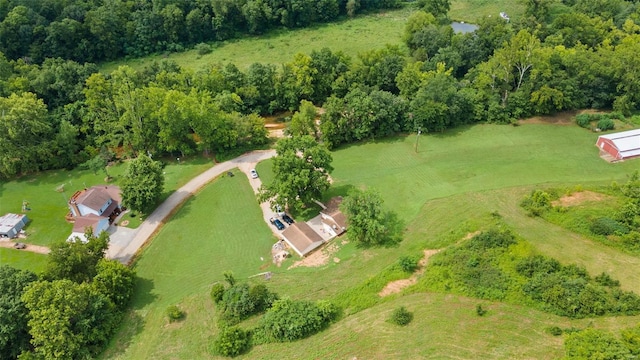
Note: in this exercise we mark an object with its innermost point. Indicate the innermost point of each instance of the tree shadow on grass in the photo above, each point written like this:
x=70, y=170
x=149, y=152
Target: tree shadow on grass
x=452, y=132
x=182, y=210
x=132, y=321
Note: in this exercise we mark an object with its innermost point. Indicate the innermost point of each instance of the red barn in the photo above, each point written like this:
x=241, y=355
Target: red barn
x=620, y=146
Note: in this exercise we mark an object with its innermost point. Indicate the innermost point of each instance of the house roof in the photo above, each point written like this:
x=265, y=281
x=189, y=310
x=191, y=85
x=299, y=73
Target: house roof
x=332, y=205
x=627, y=142
x=9, y=221
x=337, y=228
x=82, y=222
x=333, y=211
x=95, y=196
x=302, y=238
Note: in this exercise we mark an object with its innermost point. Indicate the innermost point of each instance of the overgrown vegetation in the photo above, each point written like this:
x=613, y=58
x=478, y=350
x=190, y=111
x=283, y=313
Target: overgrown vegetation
x=595, y=343
x=493, y=265
x=401, y=316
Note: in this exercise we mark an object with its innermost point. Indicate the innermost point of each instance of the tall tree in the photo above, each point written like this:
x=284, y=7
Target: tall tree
x=14, y=332
x=301, y=172
x=76, y=260
x=303, y=122
x=142, y=183
x=367, y=223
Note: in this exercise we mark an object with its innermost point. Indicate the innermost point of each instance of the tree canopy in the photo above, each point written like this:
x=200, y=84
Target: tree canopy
x=142, y=183
x=301, y=172
x=367, y=222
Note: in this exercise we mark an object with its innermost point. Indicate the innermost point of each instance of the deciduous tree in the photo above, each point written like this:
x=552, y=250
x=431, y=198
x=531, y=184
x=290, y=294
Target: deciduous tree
x=142, y=183
x=367, y=222
x=14, y=332
x=301, y=172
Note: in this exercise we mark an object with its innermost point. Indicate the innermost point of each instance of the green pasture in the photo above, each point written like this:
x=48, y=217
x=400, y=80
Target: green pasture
x=472, y=10
x=23, y=259
x=219, y=229
x=48, y=193
x=351, y=36
x=458, y=182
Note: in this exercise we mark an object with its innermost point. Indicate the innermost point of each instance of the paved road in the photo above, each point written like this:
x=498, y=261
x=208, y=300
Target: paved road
x=125, y=252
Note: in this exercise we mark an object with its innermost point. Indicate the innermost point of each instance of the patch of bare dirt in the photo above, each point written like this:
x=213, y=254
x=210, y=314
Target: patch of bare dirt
x=578, y=198
x=319, y=257
x=394, y=287
x=32, y=248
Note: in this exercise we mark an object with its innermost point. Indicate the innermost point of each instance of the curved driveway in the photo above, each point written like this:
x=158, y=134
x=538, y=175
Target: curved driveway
x=124, y=251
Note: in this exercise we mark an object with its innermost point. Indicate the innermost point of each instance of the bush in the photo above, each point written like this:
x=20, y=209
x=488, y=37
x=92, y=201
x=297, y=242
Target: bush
x=289, y=320
x=217, y=291
x=606, y=124
x=605, y=280
x=554, y=330
x=203, y=49
x=583, y=120
x=231, y=342
x=607, y=226
x=408, y=264
x=480, y=311
x=401, y=316
x=537, y=203
x=174, y=313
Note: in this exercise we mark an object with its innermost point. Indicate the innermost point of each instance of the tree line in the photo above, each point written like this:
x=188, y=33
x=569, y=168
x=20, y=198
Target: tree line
x=97, y=30
x=62, y=113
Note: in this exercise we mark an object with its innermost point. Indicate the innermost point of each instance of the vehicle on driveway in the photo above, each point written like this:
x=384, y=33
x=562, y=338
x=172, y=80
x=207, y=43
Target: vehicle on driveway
x=254, y=174
x=20, y=246
x=277, y=223
x=287, y=219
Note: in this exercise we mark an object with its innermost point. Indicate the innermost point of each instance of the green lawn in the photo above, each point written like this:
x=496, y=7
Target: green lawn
x=49, y=206
x=219, y=229
x=472, y=10
x=22, y=259
x=445, y=191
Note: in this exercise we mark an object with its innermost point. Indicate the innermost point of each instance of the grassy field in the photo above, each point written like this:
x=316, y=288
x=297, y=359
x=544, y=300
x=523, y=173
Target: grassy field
x=219, y=229
x=22, y=259
x=480, y=169
x=49, y=206
x=351, y=36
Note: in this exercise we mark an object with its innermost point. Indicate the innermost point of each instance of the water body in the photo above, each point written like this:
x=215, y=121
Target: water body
x=464, y=28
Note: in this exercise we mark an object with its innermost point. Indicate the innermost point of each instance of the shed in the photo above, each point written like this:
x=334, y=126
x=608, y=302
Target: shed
x=621, y=145
x=11, y=224
x=302, y=238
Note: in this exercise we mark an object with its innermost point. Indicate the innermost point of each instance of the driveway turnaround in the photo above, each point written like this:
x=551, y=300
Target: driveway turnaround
x=124, y=251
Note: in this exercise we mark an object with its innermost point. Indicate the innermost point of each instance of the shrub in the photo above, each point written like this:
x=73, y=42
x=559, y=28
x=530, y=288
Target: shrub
x=217, y=291
x=289, y=320
x=607, y=226
x=408, y=264
x=583, y=120
x=480, y=311
x=203, y=48
x=537, y=203
x=401, y=316
x=606, y=124
x=554, y=330
x=261, y=297
x=605, y=280
x=231, y=342
x=174, y=313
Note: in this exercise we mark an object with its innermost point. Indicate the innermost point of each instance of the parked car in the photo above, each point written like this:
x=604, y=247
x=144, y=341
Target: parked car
x=20, y=246
x=254, y=174
x=287, y=219
x=277, y=223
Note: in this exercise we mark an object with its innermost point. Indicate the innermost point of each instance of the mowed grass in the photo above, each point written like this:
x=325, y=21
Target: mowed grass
x=21, y=259
x=473, y=10
x=351, y=36
x=444, y=327
x=219, y=229
x=472, y=159
x=49, y=206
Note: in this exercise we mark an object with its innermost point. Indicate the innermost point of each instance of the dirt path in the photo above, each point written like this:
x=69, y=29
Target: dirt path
x=394, y=287
x=32, y=248
x=155, y=221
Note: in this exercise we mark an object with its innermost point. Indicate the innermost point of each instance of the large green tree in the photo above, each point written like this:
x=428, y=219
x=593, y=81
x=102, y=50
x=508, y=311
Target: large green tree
x=142, y=183
x=76, y=260
x=14, y=332
x=367, y=222
x=301, y=172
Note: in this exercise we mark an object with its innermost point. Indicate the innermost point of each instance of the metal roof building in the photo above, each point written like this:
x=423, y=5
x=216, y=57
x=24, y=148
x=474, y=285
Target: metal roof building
x=620, y=146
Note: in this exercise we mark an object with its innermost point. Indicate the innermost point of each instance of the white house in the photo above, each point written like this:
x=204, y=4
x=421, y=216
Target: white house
x=95, y=207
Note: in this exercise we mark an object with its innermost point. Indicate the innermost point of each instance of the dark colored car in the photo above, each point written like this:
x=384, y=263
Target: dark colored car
x=287, y=219
x=278, y=224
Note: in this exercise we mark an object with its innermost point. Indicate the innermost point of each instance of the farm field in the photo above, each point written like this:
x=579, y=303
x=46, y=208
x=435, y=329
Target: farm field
x=481, y=169
x=49, y=206
x=351, y=36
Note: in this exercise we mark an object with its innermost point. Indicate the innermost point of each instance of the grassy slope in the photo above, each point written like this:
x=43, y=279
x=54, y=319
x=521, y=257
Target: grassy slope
x=48, y=207
x=221, y=228
x=442, y=192
x=351, y=36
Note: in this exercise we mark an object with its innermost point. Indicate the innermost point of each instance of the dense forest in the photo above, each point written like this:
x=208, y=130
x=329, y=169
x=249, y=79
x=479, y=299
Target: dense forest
x=561, y=55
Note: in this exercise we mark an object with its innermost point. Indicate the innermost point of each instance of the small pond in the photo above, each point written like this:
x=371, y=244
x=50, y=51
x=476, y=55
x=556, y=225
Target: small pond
x=464, y=28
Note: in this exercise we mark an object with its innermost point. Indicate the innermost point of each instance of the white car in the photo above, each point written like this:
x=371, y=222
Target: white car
x=254, y=174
